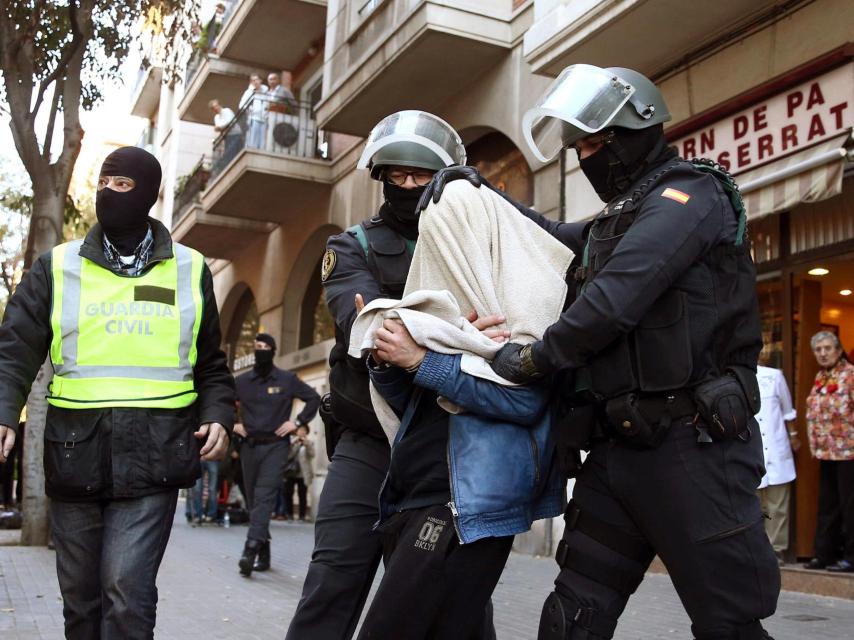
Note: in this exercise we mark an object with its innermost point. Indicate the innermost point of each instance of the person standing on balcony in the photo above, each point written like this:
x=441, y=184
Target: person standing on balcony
x=280, y=93
x=141, y=394
x=224, y=123
x=369, y=260
x=253, y=108
x=266, y=396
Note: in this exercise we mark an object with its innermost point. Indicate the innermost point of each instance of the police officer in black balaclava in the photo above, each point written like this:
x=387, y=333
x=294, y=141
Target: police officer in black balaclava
x=654, y=361
x=127, y=190
x=141, y=396
x=266, y=395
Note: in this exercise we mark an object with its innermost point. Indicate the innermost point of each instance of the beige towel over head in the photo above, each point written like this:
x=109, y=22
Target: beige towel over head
x=475, y=251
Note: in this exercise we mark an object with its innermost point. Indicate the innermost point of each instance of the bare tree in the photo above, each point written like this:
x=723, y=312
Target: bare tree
x=55, y=55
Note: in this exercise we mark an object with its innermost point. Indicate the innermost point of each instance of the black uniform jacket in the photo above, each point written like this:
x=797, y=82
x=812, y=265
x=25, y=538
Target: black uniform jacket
x=266, y=401
x=112, y=452
x=681, y=219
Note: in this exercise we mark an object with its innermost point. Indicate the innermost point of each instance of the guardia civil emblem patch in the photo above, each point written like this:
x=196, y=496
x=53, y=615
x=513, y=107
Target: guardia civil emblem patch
x=328, y=265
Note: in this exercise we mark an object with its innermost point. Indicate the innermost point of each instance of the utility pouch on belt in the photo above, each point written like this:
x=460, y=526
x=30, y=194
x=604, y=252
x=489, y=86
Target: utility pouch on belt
x=332, y=429
x=630, y=426
x=727, y=404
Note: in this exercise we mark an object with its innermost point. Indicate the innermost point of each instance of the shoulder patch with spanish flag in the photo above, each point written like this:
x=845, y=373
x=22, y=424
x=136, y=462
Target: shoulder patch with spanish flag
x=674, y=194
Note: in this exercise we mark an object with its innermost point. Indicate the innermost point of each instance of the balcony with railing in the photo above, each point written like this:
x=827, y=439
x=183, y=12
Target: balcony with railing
x=270, y=164
x=380, y=53
x=214, y=236
x=145, y=96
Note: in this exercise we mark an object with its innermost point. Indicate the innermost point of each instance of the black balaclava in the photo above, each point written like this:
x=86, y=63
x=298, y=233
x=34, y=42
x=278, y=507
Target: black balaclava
x=264, y=357
x=124, y=216
x=399, y=209
x=619, y=163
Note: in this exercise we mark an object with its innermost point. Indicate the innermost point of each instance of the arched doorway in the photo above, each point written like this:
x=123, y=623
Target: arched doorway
x=316, y=323
x=305, y=318
x=502, y=163
x=241, y=331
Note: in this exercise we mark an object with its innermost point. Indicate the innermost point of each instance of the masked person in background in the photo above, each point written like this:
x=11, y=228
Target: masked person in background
x=371, y=260
x=141, y=392
x=657, y=353
x=266, y=396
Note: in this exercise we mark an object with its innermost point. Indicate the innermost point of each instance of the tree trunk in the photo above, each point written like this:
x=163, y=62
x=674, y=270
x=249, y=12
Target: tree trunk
x=34, y=530
x=45, y=233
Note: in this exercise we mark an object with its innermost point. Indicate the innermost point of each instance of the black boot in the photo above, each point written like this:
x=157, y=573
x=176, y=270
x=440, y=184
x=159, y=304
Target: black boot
x=262, y=563
x=247, y=560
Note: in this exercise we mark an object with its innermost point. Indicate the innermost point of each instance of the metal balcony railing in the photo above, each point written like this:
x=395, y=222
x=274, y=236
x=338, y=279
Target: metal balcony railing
x=187, y=193
x=284, y=127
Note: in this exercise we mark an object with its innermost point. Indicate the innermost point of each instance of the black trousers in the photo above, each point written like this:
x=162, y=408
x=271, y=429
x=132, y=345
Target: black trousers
x=694, y=505
x=107, y=558
x=263, y=470
x=433, y=584
x=835, y=525
x=346, y=550
x=302, y=495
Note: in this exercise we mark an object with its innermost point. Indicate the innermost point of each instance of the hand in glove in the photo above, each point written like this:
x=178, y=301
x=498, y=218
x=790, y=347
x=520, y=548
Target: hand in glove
x=515, y=363
x=443, y=177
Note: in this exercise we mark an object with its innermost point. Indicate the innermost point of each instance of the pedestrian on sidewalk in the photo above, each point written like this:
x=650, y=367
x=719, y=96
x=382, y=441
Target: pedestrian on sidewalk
x=780, y=440
x=141, y=394
x=298, y=473
x=830, y=430
x=266, y=396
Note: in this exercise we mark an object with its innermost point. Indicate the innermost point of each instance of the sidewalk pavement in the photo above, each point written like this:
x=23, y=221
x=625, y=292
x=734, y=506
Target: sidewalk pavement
x=202, y=597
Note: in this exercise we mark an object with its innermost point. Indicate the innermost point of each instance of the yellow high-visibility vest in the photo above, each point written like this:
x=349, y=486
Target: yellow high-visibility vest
x=124, y=341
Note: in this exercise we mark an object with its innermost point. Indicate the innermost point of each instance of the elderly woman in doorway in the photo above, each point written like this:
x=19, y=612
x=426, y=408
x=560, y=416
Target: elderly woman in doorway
x=830, y=428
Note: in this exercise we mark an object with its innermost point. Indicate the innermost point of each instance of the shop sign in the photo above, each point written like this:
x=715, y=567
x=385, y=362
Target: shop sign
x=800, y=117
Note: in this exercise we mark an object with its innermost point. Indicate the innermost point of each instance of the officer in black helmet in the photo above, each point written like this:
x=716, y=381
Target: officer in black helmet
x=370, y=260
x=655, y=359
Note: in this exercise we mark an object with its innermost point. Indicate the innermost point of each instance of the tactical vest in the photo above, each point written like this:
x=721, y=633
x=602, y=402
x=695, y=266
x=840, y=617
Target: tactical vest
x=659, y=354
x=124, y=341
x=388, y=255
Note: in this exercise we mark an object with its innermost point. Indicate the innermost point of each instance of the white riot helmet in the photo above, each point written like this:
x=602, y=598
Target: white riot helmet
x=412, y=139
x=585, y=99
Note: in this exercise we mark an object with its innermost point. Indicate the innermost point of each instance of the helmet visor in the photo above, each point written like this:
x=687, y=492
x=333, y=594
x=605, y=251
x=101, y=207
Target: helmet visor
x=582, y=100
x=418, y=127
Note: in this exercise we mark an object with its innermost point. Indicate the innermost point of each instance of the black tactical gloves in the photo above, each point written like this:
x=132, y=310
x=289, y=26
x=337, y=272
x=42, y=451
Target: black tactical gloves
x=515, y=363
x=443, y=177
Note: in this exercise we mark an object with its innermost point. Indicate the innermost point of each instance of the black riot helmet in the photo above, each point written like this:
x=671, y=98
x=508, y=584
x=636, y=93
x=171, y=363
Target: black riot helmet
x=622, y=105
x=412, y=139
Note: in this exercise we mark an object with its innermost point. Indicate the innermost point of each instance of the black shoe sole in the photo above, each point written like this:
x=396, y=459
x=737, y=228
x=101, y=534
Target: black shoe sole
x=261, y=568
x=245, y=567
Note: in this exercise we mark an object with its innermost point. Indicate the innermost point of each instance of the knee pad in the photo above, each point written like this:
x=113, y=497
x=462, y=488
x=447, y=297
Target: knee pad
x=565, y=620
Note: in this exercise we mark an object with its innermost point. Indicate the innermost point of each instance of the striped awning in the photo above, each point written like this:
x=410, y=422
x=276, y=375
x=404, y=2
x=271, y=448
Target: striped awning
x=810, y=175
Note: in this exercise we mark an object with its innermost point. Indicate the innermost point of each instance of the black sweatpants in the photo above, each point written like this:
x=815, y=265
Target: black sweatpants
x=834, y=528
x=433, y=584
x=694, y=505
x=263, y=471
x=346, y=550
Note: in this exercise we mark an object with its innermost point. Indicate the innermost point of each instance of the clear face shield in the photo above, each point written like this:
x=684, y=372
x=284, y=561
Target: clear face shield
x=418, y=127
x=582, y=100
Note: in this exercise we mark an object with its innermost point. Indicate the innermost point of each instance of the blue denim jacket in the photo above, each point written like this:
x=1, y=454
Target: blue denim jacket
x=500, y=449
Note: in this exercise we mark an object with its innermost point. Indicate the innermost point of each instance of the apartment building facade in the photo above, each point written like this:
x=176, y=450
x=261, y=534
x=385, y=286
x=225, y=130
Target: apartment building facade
x=764, y=86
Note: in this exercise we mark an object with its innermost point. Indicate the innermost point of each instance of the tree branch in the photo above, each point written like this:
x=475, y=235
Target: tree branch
x=61, y=66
